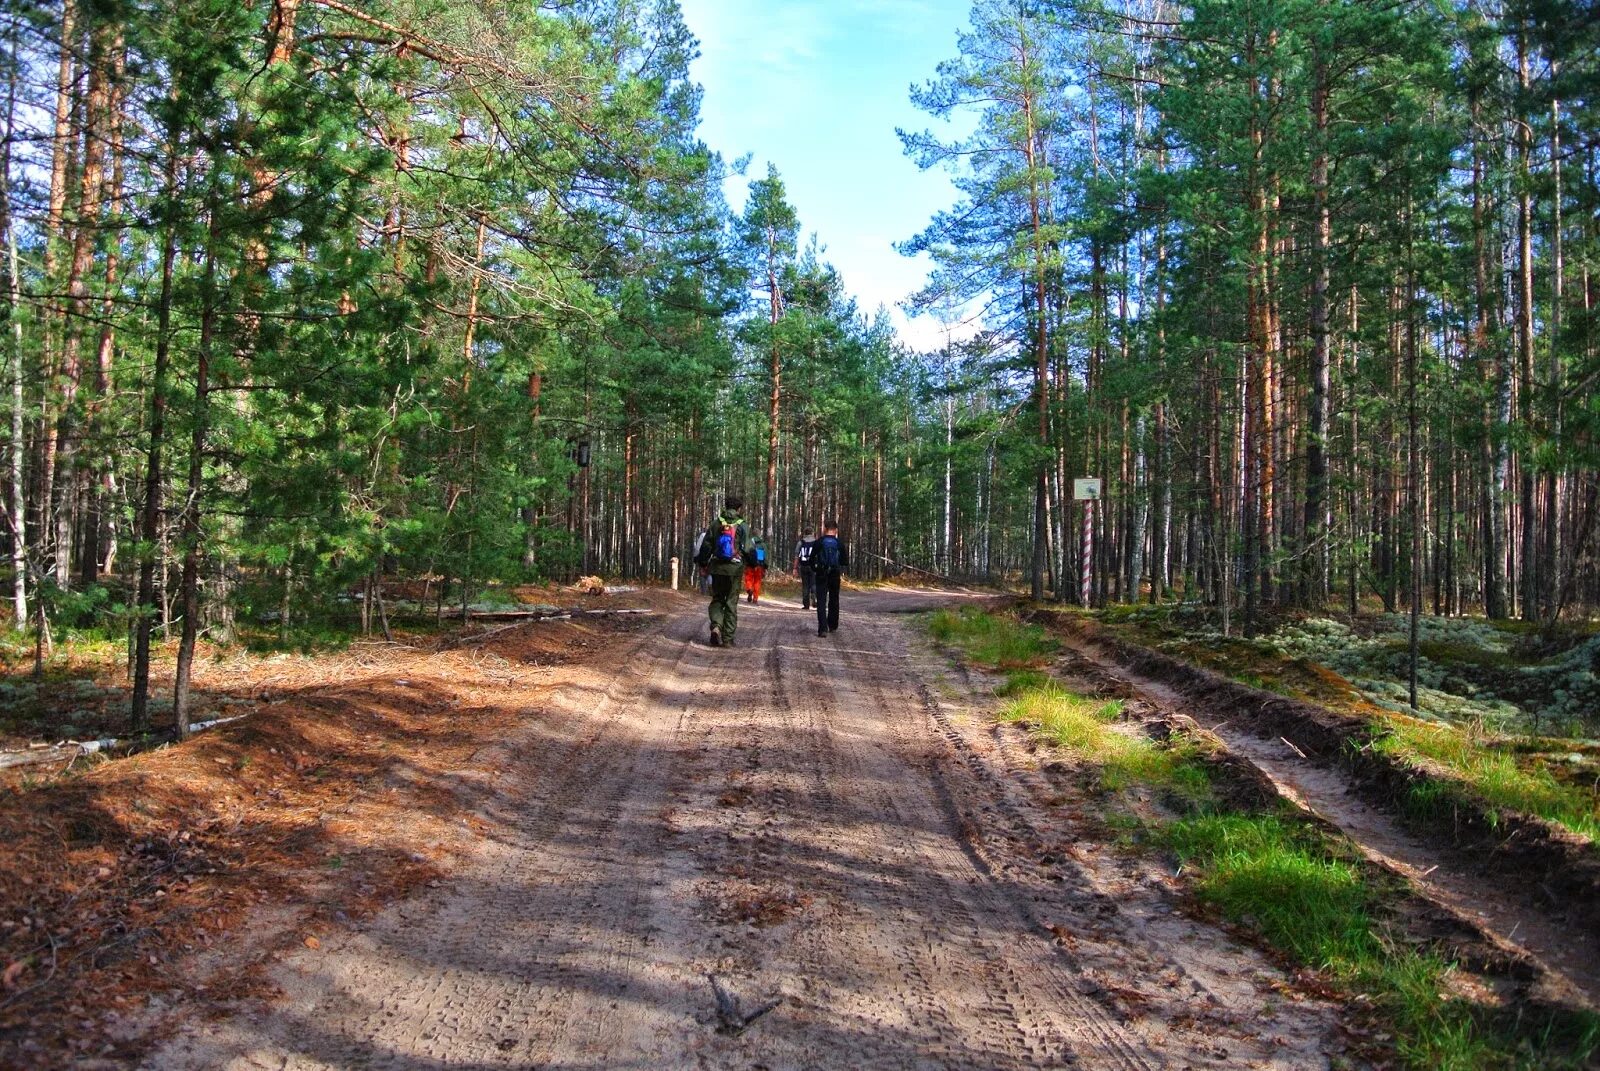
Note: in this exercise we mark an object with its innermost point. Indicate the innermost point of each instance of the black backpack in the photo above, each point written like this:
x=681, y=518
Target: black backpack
x=807, y=549
x=826, y=556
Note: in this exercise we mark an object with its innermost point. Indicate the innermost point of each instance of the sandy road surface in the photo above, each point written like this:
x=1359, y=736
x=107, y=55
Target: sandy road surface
x=800, y=852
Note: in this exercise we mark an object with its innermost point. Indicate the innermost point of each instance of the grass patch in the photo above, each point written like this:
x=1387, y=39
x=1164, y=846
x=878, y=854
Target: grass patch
x=1495, y=774
x=1270, y=873
x=1019, y=681
x=1083, y=726
x=1265, y=684
x=1285, y=880
x=998, y=641
x=1304, y=891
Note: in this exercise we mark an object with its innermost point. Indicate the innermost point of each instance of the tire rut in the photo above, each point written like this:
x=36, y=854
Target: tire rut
x=784, y=855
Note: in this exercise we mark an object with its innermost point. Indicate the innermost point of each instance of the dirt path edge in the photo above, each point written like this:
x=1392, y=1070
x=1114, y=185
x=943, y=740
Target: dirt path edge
x=1532, y=852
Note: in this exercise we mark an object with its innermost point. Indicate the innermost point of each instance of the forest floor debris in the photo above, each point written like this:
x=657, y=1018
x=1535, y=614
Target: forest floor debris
x=126, y=883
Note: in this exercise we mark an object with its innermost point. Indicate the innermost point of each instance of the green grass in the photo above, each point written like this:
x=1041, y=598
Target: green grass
x=1459, y=652
x=1274, y=874
x=1305, y=892
x=1019, y=681
x=998, y=641
x=1285, y=880
x=1266, y=684
x=1084, y=727
x=1495, y=775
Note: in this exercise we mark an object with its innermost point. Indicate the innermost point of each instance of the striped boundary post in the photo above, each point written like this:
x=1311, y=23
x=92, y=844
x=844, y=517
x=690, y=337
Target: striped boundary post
x=1088, y=546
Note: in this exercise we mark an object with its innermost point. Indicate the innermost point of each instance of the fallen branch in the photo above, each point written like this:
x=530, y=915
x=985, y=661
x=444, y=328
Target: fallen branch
x=913, y=568
x=68, y=750
x=551, y=614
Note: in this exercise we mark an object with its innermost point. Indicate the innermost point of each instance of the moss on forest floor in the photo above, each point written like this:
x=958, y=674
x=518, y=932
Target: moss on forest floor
x=1506, y=756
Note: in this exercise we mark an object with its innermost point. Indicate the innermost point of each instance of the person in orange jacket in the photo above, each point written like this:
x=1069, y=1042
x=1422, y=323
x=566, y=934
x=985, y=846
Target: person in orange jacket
x=755, y=570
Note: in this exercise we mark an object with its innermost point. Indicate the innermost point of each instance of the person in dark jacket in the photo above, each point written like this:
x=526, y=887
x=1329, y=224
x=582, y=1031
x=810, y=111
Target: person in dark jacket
x=829, y=559
x=722, y=554
x=802, y=566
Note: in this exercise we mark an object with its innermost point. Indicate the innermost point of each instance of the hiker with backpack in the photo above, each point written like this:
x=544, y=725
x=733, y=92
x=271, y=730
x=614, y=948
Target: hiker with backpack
x=802, y=565
x=829, y=559
x=755, y=570
x=722, y=556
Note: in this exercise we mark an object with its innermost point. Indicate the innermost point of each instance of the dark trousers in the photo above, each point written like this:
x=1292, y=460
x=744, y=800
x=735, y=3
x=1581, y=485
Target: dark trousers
x=724, y=611
x=806, y=580
x=827, y=591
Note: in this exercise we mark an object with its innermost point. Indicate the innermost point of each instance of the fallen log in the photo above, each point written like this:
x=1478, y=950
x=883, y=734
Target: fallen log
x=67, y=750
x=549, y=613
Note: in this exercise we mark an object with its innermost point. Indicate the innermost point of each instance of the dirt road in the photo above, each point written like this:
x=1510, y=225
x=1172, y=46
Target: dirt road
x=800, y=852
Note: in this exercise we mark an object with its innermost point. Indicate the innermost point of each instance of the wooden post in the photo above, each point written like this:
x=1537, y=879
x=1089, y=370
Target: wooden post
x=674, y=572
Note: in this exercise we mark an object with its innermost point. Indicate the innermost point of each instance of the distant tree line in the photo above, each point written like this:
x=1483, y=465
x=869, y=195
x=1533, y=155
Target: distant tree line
x=311, y=304
x=1311, y=284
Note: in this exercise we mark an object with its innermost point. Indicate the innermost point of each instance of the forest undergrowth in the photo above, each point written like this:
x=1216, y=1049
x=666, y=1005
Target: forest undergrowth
x=1537, y=755
x=1297, y=887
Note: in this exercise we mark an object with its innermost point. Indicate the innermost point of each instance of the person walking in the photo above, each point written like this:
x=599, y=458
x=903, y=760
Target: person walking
x=755, y=571
x=829, y=559
x=722, y=555
x=703, y=581
x=802, y=565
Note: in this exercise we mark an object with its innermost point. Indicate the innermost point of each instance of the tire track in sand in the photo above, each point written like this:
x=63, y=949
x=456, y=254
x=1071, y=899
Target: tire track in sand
x=788, y=816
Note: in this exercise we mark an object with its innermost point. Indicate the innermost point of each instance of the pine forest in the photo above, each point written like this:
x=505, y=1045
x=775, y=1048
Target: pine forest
x=303, y=297
x=405, y=403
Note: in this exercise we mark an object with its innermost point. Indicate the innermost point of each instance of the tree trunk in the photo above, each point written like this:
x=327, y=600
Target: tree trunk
x=1529, y=583
x=17, y=504
x=63, y=448
x=150, y=517
x=1314, y=541
x=192, y=527
x=775, y=304
x=1496, y=458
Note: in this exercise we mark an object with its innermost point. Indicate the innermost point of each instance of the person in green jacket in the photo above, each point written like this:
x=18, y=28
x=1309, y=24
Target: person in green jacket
x=722, y=556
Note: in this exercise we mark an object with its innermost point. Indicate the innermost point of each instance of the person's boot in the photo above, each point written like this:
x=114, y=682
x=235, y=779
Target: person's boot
x=716, y=636
x=821, y=631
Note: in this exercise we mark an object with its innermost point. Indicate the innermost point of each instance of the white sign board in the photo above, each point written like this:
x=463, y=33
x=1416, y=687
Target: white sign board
x=1086, y=489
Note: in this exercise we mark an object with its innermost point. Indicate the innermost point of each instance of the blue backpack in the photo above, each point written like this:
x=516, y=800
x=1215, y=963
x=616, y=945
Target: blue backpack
x=826, y=558
x=761, y=556
x=728, y=543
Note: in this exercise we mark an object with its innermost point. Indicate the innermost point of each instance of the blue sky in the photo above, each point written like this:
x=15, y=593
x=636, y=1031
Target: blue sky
x=817, y=87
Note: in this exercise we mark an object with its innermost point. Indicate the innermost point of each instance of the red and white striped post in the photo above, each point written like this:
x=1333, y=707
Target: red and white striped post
x=1087, y=491
x=1088, y=547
